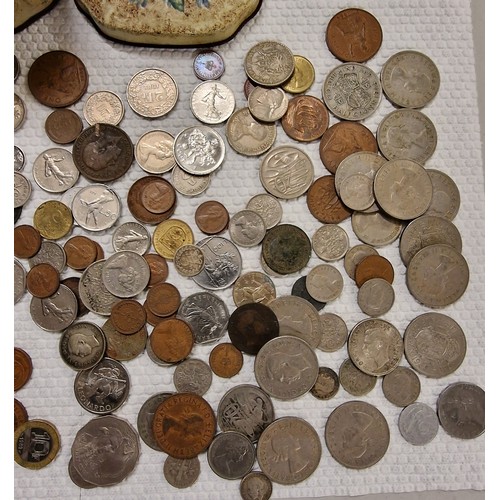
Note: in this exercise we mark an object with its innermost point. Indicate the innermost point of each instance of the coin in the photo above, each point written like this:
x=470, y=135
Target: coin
x=72, y=283
x=22, y=190
x=354, y=35
x=445, y=195
x=27, y=241
x=222, y=450
x=376, y=229
x=401, y=386
x=247, y=228
x=154, y=152
x=128, y=316
x=82, y=345
x=306, y=118
x=170, y=235
x=158, y=196
x=211, y=217
x=19, y=159
x=19, y=281
x=302, y=77
x=376, y=297
x=124, y=347
x=145, y=418
x=189, y=260
x=212, y=102
x=256, y=486
x=333, y=332
x=19, y=112
x=17, y=68
x=208, y=65
x=55, y=171
x=192, y=375
x=93, y=293
x=131, y=236
x=418, y=424
x=225, y=360
x=23, y=368
x=63, y=126
x=373, y=266
x=324, y=203
x=172, y=340
x=324, y=282
x=158, y=268
x=58, y=79
x=327, y=384
x=80, y=252
x=299, y=289
x=188, y=184
x=103, y=107
x=42, y=280
x=268, y=207
x=267, y=104
x=330, y=242
x=354, y=381
x=53, y=220
x=20, y=413
x=253, y=286
x=181, y=472
x=17, y=213
x=36, y=444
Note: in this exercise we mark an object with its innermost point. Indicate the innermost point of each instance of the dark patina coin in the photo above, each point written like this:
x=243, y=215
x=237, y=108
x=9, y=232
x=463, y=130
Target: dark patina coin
x=286, y=249
x=299, y=290
x=327, y=384
x=17, y=213
x=251, y=326
x=63, y=126
x=103, y=152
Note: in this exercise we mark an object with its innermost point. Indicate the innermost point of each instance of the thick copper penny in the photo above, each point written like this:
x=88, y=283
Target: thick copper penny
x=23, y=368
x=211, y=217
x=20, y=414
x=158, y=196
x=184, y=425
x=128, y=316
x=158, y=268
x=225, y=360
x=27, y=241
x=58, y=79
x=80, y=251
x=306, y=118
x=343, y=139
x=42, y=280
x=63, y=126
x=251, y=325
x=151, y=318
x=73, y=283
x=353, y=35
x=172, y=340
x=163, y=299
x=324, y=203
x=373, y=266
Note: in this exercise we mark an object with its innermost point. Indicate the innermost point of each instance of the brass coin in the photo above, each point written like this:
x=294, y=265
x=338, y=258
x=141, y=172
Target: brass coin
x=211, y=217
x=172, y=340
x=27, y=241
x=42, y=280
x=170, y=235
x=23, y=368
x=53, y=219
x=306, y=119
x=302, y=77
x=225, y=360
x=63, y=126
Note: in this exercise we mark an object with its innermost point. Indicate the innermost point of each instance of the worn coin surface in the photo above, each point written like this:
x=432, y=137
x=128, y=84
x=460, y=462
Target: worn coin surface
x=188, y=184
x=401, y=386
x=334, y=332
x=376, y=229
x=357, y=434
x=19, y=281
x=324, y=282
x=42, y=280
x=55, y=171
x=27, y=241
x=145, y=418
x=193, y=375
x=376, y=297
x=247, y=228
x=418, y=424
x=306, y=118
x=131, y=236
x=63, y=126
x=172, y=340
x=53, y=219
x=189, y=260
x=211, y=217
x=76, y=477
x=208, y=65
x=128, y=316
x=19, y=112
x=267, y=104
x=268, y=207
x=256, y=486
x=231, y=455
x=22, y=190
x=354, y=381
x=23, y=368
x=212, y=102
x=302, y=77
x=123, y=347
x=373, y=266
x=158, y=268
x=82, y=345
x=181, y=472
x=330, y=242
x=80, y=252
x=445, y=195
x=327, y=384
x=225, y=360
x=154, y=152
x=103, y=106
x=253, y=286
x=324, y=203
x=299, y=289
x=163, y=299
x=20, y=414
x=19, y=159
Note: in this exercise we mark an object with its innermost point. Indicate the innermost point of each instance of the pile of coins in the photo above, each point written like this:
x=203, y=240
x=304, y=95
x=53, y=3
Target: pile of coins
x=387, y=196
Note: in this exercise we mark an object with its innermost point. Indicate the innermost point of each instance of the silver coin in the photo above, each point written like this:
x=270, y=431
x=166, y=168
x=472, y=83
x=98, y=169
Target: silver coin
x=54, y=170
x=407, y=134
x=327, y=384
x=355, y=255
x=247, y=228
x=103, y=388
x=246, y=409
x=145, y=418
x=19, y=281
x=187, y=184
x=55, y=313
x=352, y=91
x=418, y=424
x=354, y=381
x=51, y=253
x=19, y=159
x=286, y=367
x=231, y=455
x=193, y=375
x=206, y=314
x=189, y=260
x=181, y=472
x=356, y=192
x=222, y=263
x=289, y=450
x=77, y=479
x=22, y=190
x=324, y=283
x=212, y=102
x=401, y=386
x=154, y=152
x=199, y=150
x=376, y=229
x=131, y=236
x=256, y=486
x=125, y=274
x=253, y=286
x=445, y=195
x=208, y=65
x=19, y=112
x=96, y=207
x=267, y=104
x=410, y=79
x=334, y=332
x=330, y=242
x=103, y=107
x=376, y=297
x=268, y=207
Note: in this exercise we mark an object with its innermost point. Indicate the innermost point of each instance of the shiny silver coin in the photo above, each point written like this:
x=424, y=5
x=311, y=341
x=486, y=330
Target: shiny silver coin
x=22, y=190
x=154, y=152
x=103, y=107
x=131, y=236
x=19, y=159
x=193, y=375
x=125, y=274
x=418, y=424
x=212, y=102
x=231, y=455
x=208, y=65
x=54, y=170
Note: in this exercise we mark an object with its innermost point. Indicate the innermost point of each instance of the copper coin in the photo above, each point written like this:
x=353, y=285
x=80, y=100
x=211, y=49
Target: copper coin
x=42, y=280
x=211, y=217
x=80, y=252
x=73, y=284
x=151, y=318
x=103, y=152
x=306, y=118
x=63, y=126
x=128, y=316
x=58, y=79
x=324, y=203
x=251, y=325
x=343, y=139
x=158, y=268
x=163, y=299
x=20, y=414
x=373, y=266
x=27, y=241
x=172, y=340
x=100, y=251
x=23, y=368
x=158, y=196
x=184, y=425
x=353, y=35
x=225, y=360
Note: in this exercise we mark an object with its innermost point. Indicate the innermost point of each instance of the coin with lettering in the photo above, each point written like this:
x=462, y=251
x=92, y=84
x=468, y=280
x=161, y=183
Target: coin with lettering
x=208, y=65
x=401, y=386
x=103, y=107
x=256, y=483
x=170, y=235
x=54, y=170
x=63, y=126
x=212, y=102
x=82, y=345
x=306, y=118
x=80, y=252
x=36, y=444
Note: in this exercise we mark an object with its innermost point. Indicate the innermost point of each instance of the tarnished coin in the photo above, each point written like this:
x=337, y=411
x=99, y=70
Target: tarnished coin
x=55, y=171
x=189, y=260
x=188, y=184
x=51, y=253
x=225, y=360
x=373, y=266
x=80, y=252
x=253, y=286
x=19, y=281
x=231, y=455
x=354, y=381
x=19, y=112
x=181, y=472
x=410, y=79
x=434, y=344
x=36, y=444
x=376, y=229
x=23, y=368
x=302, y=77
x=53, y=220
x=131, y=236
x=192, y=375
x=152, y=93
x=163, y=299
x=324, y=282
x=376, y=297
x=324, y=203
x=170, y=235
x=248, y=86
x=82, y=345
x=17, y=68
x=19, y=159
x=76, y=477
x=268, y=207
x=20, y=414
x=327, y=384
x=208, y=65
x=299, y=289
x=401, y=386
x=275, y=455
x=63, y=126
x=460, y=408
x=334, y=332
x=269, y=63
x=354, y=35
x=22, y=190
x=42, y=280
x=330, y=242
x=306, y=118
x=145, y=418
x=418, y=424
x=212, y=102
x=437, y=275
x=247, y=228
x=357, y=434
x=58, y=79
x=27, y=241
x=256, y=486
x=286, y=367
x=267, y=104
x=103, y=107
x=72, y=283
x=124, y=347
x=172, y=340
x=352, y=91
x=211, y=217
x=128, y=316
x=445, y=195
x=158, y=268
x=154, y=152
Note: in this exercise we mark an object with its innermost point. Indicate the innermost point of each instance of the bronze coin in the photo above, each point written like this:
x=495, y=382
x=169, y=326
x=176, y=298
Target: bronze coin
x=23, y=368
x=124, y=347
x=306, y=118
x=151, y=318
x=100, y=251
x=172, y=340
x=251, y=325
x=353, y=35
x=158, y=196
x=158, y=268
x=184, y=425
x=27, y=241
x=225, y=360
x=63, y=126
x=286, y=249
x=20, y=414
x=324, y=203
x=80, y=252
x=58, y=79
x=103, y=152
x=163, y=299
x=128, y=316
x=211, y=217
x=42, y=280
x=343, y=139
x=373, y=266
x=73, y=284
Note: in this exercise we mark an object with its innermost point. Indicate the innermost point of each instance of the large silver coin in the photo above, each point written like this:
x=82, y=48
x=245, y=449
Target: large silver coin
x=418, y=423
x=445, y=195
x=154, y=152
x=125, y=274
x=212, y=102
x=376, y=229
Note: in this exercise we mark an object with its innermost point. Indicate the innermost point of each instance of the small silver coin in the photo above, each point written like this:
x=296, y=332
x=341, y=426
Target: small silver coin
x=256, y=486
x=208, y=65
x=445, y=195
x=354, y=381
x=247, y=228
x=54, y=170
x=181, y=472
x=154, y=152
x=22, y=190
x=188, y=184
x=212, y=102
x=268, y=207
x=327, y=384
x=376, y=297
x=330, y=242
x=189, y=260
x=19, y=281
x=418, y=424
x=131, y=236
x=51, y=253
x=267, y=104
x=193, y=375
x=96, y=207
x=334, y=332
x=19, y=159
x=103, y=107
